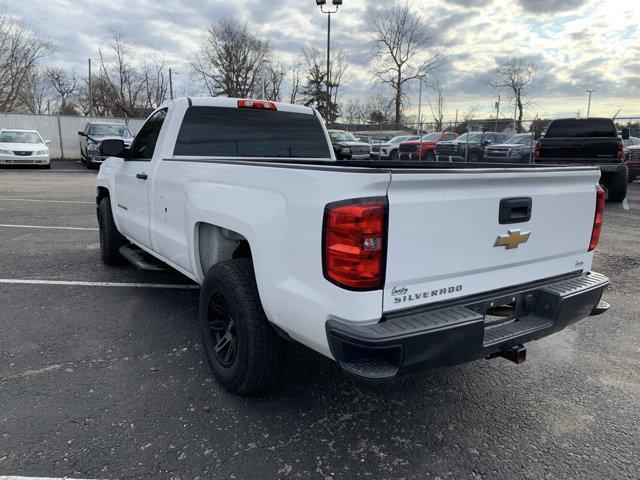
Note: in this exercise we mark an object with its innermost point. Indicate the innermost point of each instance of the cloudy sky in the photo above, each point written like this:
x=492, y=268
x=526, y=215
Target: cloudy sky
x=576, y=44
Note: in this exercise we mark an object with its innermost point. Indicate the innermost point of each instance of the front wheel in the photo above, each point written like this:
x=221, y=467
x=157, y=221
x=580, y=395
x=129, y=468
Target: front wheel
x=110, y=238
x=393, y=155
x=244, y=351
x=617, y=184
x=473, y=157
x=430, y=156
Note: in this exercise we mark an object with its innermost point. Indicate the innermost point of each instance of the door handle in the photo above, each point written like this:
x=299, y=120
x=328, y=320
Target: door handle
x=142, y=176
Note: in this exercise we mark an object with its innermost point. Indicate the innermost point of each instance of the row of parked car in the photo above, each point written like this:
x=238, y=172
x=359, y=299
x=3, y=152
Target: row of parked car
x=27, y=147
x=438, y=146
x=491, y=147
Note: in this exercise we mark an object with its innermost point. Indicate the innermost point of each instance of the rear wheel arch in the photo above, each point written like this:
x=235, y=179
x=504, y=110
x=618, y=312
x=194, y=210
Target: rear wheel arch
x=215, y=244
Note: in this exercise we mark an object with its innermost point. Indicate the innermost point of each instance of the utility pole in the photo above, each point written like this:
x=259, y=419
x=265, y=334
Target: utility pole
x=90, y=91
x=171, y=83
x=590, y=92
x=455, y=125
x=420, y=107
x=497, y=112
x=322, y=4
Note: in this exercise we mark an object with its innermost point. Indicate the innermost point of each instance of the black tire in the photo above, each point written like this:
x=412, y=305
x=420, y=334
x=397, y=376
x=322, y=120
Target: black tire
x=430, y=156
x=617, y=184
x=250, y=354
x=393, y=155
x=473, y=157
x=110, y=238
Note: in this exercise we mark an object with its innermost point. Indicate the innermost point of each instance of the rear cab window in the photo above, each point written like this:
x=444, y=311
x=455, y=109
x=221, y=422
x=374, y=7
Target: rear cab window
x=581, y=128
x=251, y=133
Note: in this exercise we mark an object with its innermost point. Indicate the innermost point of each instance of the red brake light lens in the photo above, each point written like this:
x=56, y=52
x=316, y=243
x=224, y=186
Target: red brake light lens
x=597, y=221
x=620, y=153
x=536, y=150
x=355, y=243
x=259, y=104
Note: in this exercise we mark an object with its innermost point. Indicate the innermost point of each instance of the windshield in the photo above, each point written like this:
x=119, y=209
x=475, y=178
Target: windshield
x=20, y=137
x=581, y=128
x=432, y=137
x=342, y=137
x=473, y=137
x=103, y=130
x=524, y=139
x=398, y=139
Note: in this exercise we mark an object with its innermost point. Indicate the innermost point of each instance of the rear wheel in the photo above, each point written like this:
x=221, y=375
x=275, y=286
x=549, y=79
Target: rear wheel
x=617, y=184
x=473, y=157
x=244, y=351
x=393, y=155
x=110, y=238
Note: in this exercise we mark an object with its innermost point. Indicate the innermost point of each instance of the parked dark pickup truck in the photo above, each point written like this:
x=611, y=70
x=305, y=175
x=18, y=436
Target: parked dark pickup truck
x=587, y=141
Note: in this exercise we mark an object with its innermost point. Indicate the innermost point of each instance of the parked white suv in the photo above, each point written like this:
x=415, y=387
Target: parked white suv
x=390, y=149
x=23, y=147
x=386, y=267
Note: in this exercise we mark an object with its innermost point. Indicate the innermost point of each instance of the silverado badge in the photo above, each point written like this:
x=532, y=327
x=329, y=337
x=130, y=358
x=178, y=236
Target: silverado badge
x=513, y=239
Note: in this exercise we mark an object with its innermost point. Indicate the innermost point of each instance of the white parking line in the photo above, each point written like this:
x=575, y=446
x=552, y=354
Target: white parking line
x=72, y=283
x=12, y=477
x=38, y=200
x=91, y=229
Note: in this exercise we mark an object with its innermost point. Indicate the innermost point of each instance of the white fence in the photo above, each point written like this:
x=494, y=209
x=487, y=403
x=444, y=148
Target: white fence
x=61, y=130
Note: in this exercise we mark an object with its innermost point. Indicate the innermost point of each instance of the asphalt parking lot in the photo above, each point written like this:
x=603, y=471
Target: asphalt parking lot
x=101, y=380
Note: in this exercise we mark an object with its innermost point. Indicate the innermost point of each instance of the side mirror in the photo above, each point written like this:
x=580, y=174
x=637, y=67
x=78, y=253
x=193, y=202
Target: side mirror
x=112, y=148
x=486, y=142
x=47, y=142
x=626, y=134
x=82, y=134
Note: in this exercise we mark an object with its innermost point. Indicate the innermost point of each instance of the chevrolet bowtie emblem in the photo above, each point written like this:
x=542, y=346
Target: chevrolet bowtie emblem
x=513, y=239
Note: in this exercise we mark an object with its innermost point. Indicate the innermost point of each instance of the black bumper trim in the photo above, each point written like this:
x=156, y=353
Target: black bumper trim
x=451, y=335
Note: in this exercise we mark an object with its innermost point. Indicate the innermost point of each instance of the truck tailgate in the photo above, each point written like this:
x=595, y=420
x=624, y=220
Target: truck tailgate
x=444, y=229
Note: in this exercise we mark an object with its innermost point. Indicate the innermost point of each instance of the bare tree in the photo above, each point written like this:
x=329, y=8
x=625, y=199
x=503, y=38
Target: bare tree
x=122, y=84
x=296, y=69
x=517, y=76
x=230, y=60
x=438, y=106
x=270, y=83
x=340, y=74
x=471, y=113
x=64, y=84
x=352, y=111
x=155, y=82
x=20, y=52
x=404, y=49
x=377, y=109
x=36, y=94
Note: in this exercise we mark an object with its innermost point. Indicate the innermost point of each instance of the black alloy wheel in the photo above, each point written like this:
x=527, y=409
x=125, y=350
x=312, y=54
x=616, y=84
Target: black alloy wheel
x=223, y=333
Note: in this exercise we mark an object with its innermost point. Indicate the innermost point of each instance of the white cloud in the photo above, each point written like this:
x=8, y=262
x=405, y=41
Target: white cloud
x=577, y=44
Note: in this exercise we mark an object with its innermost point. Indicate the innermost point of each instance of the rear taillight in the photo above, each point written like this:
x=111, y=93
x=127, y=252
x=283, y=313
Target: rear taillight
x=620, y=153
x=597, y=221
x=354, y=243
x=259, y=104
x=536, y=150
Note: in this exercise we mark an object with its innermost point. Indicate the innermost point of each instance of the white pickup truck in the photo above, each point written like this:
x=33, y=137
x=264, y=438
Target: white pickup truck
x=386, y=267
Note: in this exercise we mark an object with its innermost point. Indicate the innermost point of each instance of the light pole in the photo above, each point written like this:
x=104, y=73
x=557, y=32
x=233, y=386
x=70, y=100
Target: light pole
x=590, y=92
x=322, y=4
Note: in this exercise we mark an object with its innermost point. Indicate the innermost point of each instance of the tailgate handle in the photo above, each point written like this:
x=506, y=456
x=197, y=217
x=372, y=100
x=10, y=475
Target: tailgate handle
x=515, y=210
